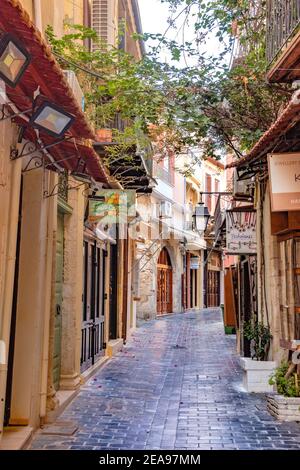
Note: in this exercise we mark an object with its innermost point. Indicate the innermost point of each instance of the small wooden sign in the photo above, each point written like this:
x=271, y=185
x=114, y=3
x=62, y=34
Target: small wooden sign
x=284, y=170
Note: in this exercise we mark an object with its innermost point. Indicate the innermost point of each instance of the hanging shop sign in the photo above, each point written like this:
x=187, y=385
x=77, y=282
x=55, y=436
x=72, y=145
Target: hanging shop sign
x=110, y=206
x=195, y=262
x=241, y=232
x=284, y=170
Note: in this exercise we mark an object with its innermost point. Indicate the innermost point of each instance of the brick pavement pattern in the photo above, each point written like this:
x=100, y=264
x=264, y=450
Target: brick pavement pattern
x=176, y=385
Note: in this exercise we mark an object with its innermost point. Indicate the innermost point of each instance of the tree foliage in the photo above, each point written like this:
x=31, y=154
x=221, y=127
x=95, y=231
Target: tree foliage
x=215, y=101
x=240, y=104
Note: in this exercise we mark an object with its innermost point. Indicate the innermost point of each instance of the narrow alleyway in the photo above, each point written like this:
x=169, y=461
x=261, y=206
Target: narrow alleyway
x=176, y=385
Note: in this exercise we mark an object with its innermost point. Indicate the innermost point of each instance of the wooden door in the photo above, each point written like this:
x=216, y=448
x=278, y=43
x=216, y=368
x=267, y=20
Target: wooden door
x=113, y=292
x=245, y=304
x=213, y=289
x=229, y=299
x=164, y=284
x=58, y=299
x=93, y=304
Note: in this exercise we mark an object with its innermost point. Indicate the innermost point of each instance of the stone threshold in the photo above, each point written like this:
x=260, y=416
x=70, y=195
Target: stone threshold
x=114, y=346
x=64, y=398
x=87, y=374
x=16, y=437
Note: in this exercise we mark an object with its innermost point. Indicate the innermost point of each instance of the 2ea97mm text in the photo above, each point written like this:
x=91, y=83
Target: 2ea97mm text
x=151, y=459
x=172, y=459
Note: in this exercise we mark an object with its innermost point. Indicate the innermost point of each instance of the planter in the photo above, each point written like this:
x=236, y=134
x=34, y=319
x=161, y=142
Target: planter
x=104, y=135
x=284, y=408
x=256, y=375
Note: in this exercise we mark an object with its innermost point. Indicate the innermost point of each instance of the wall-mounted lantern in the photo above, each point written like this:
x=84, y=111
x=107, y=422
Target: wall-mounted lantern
x=14, y=59
x=201, y=217
x=52, y=119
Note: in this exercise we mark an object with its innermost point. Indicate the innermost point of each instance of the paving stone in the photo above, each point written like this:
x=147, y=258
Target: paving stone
x=155, y=395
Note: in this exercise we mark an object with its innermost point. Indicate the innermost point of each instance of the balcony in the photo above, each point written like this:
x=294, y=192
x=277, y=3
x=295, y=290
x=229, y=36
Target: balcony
x=163, y=174
x=283, y=40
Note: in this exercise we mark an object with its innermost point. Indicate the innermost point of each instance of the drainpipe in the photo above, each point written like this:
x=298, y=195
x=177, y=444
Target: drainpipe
x=38, y=14
x=52, y=214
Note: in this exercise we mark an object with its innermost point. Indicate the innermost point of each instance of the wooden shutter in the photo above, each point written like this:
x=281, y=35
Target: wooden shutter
x=208, y=189
x=100, y=19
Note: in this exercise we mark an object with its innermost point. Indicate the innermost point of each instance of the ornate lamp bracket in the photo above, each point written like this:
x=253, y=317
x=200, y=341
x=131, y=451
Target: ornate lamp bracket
x=34, y=163
x=28, y=148
x=62, y=187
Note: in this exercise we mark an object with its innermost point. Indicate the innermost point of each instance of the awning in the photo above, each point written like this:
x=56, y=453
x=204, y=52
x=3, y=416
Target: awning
x=284, y=123
x=133, y=173
x=45, y=72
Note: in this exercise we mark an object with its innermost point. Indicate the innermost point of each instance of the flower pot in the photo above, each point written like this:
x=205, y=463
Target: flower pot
x=104, y=135
x=256, y=375
x=284, y=408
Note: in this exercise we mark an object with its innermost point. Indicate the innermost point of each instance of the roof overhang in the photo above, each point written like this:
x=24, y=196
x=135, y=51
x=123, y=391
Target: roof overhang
x=131, y=174
x=45, y=73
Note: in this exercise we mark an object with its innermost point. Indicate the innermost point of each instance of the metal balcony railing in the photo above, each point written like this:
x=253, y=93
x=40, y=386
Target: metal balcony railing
x=163, y=174
x=283, y=21
x=189, y=225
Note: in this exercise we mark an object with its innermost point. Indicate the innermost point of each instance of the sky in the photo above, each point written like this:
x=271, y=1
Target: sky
x=154, y=17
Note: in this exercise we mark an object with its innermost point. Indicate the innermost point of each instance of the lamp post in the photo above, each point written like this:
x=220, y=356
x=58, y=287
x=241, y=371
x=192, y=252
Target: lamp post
x=14, y=59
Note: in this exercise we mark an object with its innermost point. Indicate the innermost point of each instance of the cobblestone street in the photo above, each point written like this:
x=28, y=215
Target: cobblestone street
x=176, y=385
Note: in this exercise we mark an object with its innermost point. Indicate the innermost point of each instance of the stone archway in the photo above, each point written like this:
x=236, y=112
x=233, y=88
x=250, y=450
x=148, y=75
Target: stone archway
x=164, y=302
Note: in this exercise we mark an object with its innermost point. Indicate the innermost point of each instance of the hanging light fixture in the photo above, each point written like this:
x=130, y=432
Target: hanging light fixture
x=201, y=217
x=52, y=119
x=14, y=59
x=82, y=177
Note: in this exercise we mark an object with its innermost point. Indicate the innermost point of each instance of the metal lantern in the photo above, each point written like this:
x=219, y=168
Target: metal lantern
x=201, y=217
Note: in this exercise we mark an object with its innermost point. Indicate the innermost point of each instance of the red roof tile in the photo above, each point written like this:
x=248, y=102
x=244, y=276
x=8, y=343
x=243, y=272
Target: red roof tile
x=45, y=72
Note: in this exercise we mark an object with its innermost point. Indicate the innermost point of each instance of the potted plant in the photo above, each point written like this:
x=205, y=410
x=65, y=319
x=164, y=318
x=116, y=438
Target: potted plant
x=285, y=405
x=257, y=369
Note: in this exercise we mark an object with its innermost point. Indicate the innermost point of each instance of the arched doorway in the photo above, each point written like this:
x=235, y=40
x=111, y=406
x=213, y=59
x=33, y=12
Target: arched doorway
x=164, y=283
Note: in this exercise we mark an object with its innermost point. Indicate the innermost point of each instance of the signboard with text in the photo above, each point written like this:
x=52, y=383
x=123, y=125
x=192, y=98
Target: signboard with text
x=241, y=232
x=284, y=170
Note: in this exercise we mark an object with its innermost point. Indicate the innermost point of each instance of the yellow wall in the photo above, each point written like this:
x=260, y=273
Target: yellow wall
x=56, y=12
x=28, y=5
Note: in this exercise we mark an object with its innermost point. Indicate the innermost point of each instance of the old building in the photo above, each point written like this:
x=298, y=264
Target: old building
x=170, y=251
x=273, y=164
x=60, y=308
x=213, y=186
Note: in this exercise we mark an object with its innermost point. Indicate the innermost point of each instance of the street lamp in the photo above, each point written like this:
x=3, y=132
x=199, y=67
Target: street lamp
x=201, y=217
x=52, y=119
x=14, y=59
